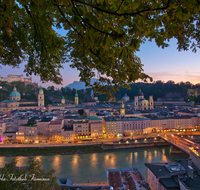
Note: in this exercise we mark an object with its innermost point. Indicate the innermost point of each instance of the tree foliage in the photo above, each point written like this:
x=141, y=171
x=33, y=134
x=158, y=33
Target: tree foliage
x=32, y=177
x=102, y=36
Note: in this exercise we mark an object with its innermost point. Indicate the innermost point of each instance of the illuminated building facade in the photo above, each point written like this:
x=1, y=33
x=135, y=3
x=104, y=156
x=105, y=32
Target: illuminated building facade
x=142, y=104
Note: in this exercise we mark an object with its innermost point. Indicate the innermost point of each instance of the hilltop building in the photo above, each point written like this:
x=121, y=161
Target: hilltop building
x=193, y=92
x=18, y=78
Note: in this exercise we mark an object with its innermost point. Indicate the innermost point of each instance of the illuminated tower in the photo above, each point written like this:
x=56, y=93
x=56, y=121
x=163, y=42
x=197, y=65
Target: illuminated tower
x=63, y=100
x=76, y=98
x=122, y=110
x=40, y=98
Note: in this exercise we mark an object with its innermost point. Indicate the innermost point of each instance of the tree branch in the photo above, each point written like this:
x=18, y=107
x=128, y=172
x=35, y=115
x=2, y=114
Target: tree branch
x=63, y=15
x=122, y=14
x=29, y=12
x=78, y=14
x=101, y=31
x=119, y=6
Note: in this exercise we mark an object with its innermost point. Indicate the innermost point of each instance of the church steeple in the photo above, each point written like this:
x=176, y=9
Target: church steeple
x=76, y=98
x=122, y=110
x=63, y=100
x=41, y=98
x=122, y=104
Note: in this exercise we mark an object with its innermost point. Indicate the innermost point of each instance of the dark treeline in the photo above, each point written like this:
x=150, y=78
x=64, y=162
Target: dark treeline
x=27, y=92
x=156, y=89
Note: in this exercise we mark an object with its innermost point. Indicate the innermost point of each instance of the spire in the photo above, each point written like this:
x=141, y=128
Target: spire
x=122, y=104
x=14, y=89
x=63, y=100
x=76, y=95
x=92, y=94
x=41, y=90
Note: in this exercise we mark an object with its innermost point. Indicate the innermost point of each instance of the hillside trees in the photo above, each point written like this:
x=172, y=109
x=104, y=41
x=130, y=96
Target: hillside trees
x=102, y=36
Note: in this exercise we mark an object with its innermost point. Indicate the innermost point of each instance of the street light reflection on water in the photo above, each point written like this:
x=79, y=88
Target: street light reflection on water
x=21, y=161
x=93, y=161
x=75, y=161
x=57, y=164
x=136, y=156
x=80, y=167
x=110, y=161
x=2, y=161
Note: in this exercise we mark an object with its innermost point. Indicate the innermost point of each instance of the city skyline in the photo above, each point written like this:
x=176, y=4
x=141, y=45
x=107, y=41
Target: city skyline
x=161, y=64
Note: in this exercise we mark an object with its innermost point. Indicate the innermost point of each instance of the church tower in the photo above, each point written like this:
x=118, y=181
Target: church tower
x=136, y=103
x=151, y=103
x=63, y=100
x=76, y=98
x=122, y=110
x=41, y=98
x=92, y=94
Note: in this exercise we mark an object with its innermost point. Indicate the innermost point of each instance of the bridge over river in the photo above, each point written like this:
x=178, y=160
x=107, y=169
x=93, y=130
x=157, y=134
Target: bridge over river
x=177, y=143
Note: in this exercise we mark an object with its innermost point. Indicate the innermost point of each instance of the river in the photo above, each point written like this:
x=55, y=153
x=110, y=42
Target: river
x=80, y=167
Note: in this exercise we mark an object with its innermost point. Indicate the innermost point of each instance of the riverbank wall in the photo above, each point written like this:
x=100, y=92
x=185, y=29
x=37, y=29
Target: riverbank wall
x=76, y=149
x=114, y=146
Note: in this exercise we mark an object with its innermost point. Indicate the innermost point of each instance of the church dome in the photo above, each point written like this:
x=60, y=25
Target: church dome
x=14, y=93
x=125, y=96
x=140, y=93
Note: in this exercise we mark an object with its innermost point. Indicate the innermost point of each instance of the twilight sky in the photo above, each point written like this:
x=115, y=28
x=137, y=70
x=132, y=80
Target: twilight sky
x=161, y=64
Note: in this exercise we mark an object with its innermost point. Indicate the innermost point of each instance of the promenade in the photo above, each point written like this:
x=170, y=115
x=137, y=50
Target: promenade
x=82, y=143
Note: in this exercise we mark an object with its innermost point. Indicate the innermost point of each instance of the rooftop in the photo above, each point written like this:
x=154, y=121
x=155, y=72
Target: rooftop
x=55, y=122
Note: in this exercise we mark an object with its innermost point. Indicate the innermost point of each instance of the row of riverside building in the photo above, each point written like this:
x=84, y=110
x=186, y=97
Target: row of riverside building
x=70, y=128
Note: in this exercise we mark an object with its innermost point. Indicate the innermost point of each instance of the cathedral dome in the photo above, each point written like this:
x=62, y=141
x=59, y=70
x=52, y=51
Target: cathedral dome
x=125, y=96
x=14, y=93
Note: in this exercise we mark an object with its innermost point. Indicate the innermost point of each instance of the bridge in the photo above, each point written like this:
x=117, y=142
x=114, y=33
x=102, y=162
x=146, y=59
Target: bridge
x=179, y=143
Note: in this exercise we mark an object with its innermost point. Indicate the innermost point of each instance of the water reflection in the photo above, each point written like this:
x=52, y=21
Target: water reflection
x=110, y=161
x=79, y=168
x=39, y=158
x=93, y=161
x=131, y=160
x=155, y=153
x=57, y=164
x=75, y=163
x=136, y=156
x=21, y=161
x=150, y=157
x=2, y=161
x=145, y=154
x=164, y=158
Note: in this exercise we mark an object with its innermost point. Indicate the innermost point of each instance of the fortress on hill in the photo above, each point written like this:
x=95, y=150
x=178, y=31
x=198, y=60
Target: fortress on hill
x=20, y=78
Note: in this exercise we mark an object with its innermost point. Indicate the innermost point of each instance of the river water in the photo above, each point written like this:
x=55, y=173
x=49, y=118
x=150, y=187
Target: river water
x=80, y=167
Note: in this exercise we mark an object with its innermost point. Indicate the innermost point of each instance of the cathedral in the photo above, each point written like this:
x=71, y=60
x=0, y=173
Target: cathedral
x=142, y=104
x=15, y=102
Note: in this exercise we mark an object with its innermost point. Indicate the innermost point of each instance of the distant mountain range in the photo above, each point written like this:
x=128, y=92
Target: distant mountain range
x=78, y=85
